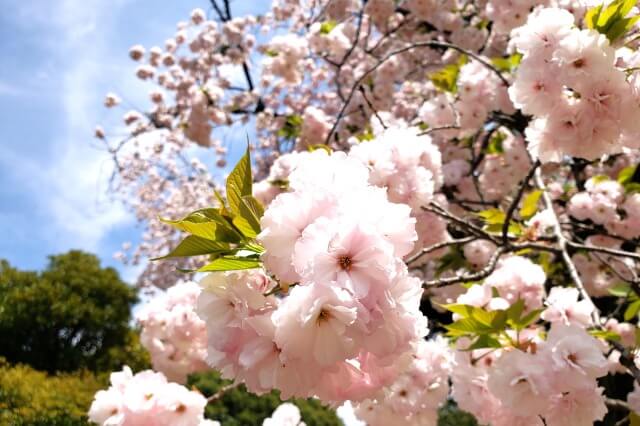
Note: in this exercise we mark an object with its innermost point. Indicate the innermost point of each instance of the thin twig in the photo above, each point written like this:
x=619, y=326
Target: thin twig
x=617, y=403
x=437, y=129
x=430, y=44
x=562, y=245
x=516, y=201
x=476, y=276
x=438, y=246
x=606, y=250
x=216, y=396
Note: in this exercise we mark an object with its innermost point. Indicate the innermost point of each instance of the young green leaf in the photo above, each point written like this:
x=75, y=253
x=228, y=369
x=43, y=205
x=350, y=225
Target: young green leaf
x=514, y=312
x=248, y=218
x=632, y=311
x=206, y=223
x=612, y=20
x=463, y=310
x=239, y=182
x=493, y=216
x=530, y=204
x=467, y=326
x=495, y=143
x=620, y=290
x=626, y=174
x=327, y=26
x=195, y=246
x=231, y=263
x=446, y=79
x=528, y=319
x=507, y=64
x=484, y=341
x=605, y=334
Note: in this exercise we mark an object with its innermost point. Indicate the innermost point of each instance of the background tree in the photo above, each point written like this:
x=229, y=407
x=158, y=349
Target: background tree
x=31, y=397
x=73, y=315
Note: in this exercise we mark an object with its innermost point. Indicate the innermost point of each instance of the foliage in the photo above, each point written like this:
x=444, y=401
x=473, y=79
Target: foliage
x=30, y=397
x=489, y=328
x=239, y=407
x=451, y=415
x=612, y=20
x=227, y=233
x=446, y=79
x=73, y=315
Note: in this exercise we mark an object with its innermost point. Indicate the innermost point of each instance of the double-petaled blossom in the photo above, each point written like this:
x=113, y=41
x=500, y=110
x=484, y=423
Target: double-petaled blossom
x=352, y=310
x=147, y=398
x=173, y=333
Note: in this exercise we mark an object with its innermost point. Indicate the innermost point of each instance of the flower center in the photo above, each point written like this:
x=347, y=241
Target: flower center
x=345, y=262
x=323, y=316
x=579, y=63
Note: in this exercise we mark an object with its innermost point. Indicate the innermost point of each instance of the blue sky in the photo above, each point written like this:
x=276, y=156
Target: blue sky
x=59, y=58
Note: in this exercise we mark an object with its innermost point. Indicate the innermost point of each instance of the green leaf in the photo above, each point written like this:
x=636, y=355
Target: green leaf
x=493, y=216
x=239, y=182
x=321, y=146
x=453, y=260
x=515, y=311
x=223, y=204
x=626, y=174
x=484, y=341
x=621, y=27
x=612, y=21
x=463, y=310
x=605, y=334
x=528, y=319
x=248, y=218
x=231, y=263
x=600, y=178
x=446, y=79
x=632, y=187
x=591, y=17
x=620, y=290
x=466, y=326
x=291, y=128
x=327, y=26
x=206, y=223
x=632, y=311
x=495, y=143
x=530, y=204
x=367, y=135
x=195, y=246
x=507, y=64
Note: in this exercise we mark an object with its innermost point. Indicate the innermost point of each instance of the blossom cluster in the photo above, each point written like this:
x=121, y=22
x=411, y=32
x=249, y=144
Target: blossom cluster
x=554, y=380
x=387, y=132
x=147, y=398
x=414, y=398
x=568, y=80
x=605, y=202
x=173, y=333
x=351, y=311
x=515, y=278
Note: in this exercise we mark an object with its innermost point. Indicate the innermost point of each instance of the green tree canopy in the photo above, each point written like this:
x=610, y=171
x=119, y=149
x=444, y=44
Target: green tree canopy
x=237, y=407
x=73, y=315
x=30, y=397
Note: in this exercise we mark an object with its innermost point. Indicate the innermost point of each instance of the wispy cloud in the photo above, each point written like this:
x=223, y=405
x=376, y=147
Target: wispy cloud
x=69, y=186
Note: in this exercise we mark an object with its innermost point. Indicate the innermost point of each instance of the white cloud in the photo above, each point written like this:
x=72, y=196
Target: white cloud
x=71, y=184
